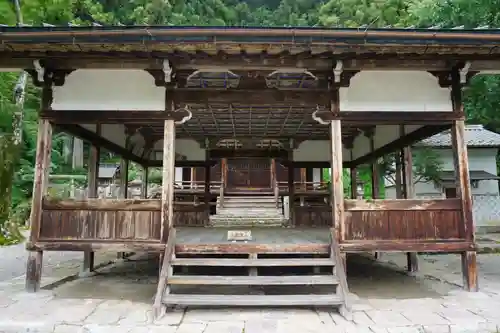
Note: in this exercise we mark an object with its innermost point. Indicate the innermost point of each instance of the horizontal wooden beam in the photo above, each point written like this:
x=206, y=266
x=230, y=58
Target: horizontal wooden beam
x=95, y=245
x=402, y=205
x=235, y=153
x=304, y=97
x=99, y=141
x=112, y=204
x=250, y=62
x=301, y=164
x=111, y=117
x=397, y=245
x=356, y=118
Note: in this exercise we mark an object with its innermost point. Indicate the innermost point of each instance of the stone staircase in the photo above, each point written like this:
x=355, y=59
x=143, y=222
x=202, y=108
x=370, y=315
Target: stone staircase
x=248, y=211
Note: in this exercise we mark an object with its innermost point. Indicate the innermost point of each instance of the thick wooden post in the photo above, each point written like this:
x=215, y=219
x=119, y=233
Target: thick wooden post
x=167, y=193
x=409, y=193
x=93, y=174
x=398, y=176
x=337, y=199
x=273, y=172
x=353, y=172
x=144, y=184
x=40, y=183
x=303, y=178
x=123, y=193
x=207, y=183
x=291, y=191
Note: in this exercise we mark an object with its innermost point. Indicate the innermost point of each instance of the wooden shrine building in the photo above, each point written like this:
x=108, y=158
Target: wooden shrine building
x=291, y=98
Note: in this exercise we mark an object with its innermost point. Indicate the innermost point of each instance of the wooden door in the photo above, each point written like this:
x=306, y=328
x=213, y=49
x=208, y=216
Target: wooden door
x=249, y=173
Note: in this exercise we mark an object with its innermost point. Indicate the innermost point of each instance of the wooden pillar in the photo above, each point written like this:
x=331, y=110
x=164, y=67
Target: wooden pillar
x=123, y=193
x=193, y=177
x=409, y=193
x=40, y=183
x=167, y=193
x=303, y=178
x=460, y=159
x=398, y=175
x=93, y=174
x=224, y=171
x=353, y=172
x=273, y=172
x=291, y=191
x=337, y=199
x=207, y=183
x=145, y=181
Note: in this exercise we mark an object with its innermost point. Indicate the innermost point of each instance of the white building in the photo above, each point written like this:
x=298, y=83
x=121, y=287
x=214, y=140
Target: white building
x=483, y=148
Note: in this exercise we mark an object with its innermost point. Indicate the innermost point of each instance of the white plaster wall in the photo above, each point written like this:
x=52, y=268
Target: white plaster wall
x=316, y=151
x=316, y=175
x=384, y=134
x=186, y=147
x=394, y=91
x=178, y=176
x=111, y=132
x=110, y=90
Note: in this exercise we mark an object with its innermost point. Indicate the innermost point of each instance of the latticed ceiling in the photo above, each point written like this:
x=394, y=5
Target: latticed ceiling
x=264, y=123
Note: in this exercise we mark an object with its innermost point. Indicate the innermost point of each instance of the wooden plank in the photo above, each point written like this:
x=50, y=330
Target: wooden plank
x=102, y=204
x=407, y=246
x=109, y=117
x=353, y=118
x=253, y=300
x=95, y=245
x=252, y=248
x=224, y=262
x=164, y=272
x=402, y=204
x=253, y=280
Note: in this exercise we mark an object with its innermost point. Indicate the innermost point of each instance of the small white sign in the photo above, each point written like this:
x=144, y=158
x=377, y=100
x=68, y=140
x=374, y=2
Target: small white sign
x=239, y=235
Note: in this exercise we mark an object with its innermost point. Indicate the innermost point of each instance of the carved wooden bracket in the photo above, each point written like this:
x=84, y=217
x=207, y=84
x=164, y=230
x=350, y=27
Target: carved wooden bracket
x=345, y=79
x=369, y=132
x=49, y=77
x=164, y=76
x=445, y=78
x=349, y=141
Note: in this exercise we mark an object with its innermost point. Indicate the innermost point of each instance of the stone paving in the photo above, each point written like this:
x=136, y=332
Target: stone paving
x=119, y=300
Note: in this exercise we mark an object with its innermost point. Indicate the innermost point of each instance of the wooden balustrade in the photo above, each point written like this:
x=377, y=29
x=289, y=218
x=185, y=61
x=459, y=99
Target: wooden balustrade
x=304, y=188
x=113, y=220
x=398, y=219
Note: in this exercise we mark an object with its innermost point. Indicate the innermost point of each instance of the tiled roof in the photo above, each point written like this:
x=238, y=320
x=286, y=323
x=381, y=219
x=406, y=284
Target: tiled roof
x=475, y=136
x=473, y=175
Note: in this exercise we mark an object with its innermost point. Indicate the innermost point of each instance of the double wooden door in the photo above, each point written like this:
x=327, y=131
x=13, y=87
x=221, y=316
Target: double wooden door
x=248, y=173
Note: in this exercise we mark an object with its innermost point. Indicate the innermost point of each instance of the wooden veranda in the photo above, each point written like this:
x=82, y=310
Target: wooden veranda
x=303, y=98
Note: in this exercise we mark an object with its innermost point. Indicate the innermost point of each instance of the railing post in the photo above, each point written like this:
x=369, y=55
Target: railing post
x=42, y=166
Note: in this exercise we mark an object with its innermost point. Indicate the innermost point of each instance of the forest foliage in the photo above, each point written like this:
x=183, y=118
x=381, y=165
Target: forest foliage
x=16, y=170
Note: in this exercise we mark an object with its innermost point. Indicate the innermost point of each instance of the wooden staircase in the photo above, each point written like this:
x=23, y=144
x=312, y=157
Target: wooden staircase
x=327, y=271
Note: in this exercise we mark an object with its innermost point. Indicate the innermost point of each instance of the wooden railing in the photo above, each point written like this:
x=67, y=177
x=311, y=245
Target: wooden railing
x=304, y=187
x=398, y=219
x=113, y=220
